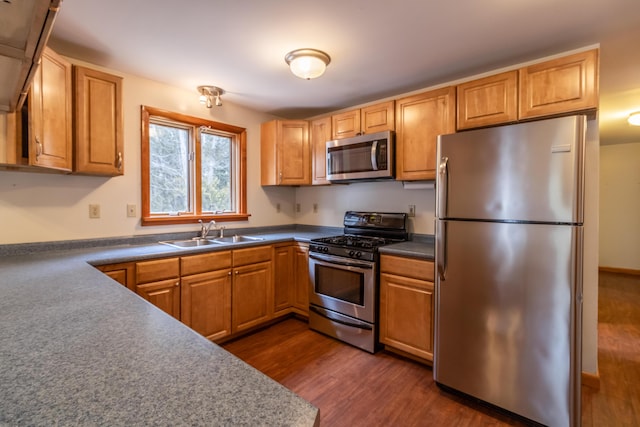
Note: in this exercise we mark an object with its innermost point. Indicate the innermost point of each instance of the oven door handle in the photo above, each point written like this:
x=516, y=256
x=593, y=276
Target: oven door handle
x=327, y=315
x=335, y=261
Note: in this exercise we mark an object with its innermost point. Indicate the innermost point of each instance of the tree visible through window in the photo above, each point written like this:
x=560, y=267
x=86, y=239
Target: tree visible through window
x=192, y=169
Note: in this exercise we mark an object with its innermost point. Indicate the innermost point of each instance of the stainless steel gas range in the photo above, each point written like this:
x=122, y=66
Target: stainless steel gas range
x=343, y=299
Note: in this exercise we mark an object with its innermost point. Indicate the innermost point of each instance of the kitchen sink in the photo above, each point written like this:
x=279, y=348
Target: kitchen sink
x=237, y=239
x=190, y=243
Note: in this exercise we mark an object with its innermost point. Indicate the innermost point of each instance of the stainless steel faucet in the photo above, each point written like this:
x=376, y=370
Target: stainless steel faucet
x=204, y=228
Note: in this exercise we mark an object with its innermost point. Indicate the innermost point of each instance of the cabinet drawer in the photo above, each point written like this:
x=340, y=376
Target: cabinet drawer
x=408, y=267
x=251, y=255
x=206, y=262
x=160, y=269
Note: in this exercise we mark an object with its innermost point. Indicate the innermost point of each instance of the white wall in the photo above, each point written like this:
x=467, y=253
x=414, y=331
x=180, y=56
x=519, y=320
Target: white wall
x=37, y=207
x=620, y=206
x=334, y=200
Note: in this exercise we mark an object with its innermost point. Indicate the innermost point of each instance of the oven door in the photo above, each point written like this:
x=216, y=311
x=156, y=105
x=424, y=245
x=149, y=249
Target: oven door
x=343, y=285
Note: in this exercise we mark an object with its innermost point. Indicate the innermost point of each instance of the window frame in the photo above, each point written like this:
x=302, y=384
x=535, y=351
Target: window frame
x=240, y=136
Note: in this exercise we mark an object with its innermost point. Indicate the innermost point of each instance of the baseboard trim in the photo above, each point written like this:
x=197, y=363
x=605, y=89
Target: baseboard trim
x=591, y=380
x=619, y=270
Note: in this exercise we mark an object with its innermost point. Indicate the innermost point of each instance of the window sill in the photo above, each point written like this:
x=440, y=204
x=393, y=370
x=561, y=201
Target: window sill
x=191, y=219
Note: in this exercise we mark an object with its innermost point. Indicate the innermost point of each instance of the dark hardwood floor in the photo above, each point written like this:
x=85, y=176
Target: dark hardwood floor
x=354, y=388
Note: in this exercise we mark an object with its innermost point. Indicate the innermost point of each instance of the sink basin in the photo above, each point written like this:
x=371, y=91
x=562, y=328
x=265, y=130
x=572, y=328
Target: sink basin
x=190, y=243
x=236, y=239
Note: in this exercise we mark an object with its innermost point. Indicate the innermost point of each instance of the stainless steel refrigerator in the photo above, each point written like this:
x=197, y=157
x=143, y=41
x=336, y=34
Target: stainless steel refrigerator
x=509, y=214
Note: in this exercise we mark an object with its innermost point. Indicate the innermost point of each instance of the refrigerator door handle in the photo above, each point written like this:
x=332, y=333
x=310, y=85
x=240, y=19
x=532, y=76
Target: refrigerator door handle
x=442, y=187
x=441, y=246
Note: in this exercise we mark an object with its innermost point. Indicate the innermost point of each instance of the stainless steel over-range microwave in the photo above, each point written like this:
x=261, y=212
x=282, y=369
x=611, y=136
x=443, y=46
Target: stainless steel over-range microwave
x=363, y=157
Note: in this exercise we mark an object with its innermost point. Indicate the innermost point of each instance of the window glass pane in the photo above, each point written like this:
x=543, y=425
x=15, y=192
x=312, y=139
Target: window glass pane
x=217, y=173
x=168, y=169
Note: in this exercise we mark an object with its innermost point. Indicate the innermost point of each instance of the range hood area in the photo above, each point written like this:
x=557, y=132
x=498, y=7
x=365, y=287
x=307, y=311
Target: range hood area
x=25, y=26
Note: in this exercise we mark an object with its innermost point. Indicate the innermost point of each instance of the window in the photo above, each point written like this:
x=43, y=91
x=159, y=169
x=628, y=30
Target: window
x=192, y=169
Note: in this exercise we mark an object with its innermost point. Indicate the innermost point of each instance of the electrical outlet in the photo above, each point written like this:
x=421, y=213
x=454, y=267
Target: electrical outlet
x=94, y=211
x=315, y=208
x=298, y=207
x=131, y=211
x=412, y=210
x=277, y=207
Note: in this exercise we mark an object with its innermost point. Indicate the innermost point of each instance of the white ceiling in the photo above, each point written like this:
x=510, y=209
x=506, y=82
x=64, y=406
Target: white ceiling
x=379, y=48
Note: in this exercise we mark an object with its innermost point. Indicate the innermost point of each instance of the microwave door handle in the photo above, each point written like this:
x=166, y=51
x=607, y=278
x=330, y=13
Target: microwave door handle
x=374, y=155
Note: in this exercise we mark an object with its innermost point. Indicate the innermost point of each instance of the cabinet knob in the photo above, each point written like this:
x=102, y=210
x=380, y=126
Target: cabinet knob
x=178, y=283
x=280, y=177
x=237, y=271
x=119, y=162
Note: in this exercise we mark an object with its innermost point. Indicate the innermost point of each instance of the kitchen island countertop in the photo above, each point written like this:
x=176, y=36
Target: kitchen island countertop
x=77, y=348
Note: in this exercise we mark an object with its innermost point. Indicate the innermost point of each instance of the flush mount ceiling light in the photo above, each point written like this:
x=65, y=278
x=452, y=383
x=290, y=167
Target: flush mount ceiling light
x=634, y=118
x=210, y=95
x=307, y=63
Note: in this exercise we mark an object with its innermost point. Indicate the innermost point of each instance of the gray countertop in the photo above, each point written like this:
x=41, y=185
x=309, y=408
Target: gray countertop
x=77, y=348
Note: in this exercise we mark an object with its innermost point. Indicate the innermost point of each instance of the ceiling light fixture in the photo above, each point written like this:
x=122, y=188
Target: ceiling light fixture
x=210, y=95
x=307, y=63
x=634, y=118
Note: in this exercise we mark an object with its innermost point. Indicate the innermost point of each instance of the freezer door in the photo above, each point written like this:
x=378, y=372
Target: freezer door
x=525, y=172
x=508, y=316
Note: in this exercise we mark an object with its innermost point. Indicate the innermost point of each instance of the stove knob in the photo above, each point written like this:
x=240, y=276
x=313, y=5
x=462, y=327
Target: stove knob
x=325, y=249
x=351, y=253
x=359, y=254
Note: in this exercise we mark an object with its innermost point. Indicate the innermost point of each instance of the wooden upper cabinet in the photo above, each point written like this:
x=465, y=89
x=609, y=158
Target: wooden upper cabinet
x=560, y=85
x=345, y=125
x=488, y=101
x=320, y=130
x=99, y=146
x=419, y=120
x=50, y=114
x=378, y=117
x=285, y=155
x=371, y=119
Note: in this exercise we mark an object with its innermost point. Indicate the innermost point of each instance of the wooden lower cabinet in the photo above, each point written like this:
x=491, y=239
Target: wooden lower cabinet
x=123, y=273
x=158, y=281
x=283, y=278
x=291, y=279
x=221, y=293
x=301, y=279
x=407, y=305
x=206, y=303
x=252, y=298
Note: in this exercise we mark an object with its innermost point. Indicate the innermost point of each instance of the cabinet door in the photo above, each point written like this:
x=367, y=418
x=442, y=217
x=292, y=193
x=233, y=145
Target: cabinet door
x=164, y=294
x=378, y=117
x=345, y=125
x=285, y=155
x=123, y=273
x=294, y=154
x=301, y=278
x=50, y=114
x=406, y=315
x=206, y=303
x=559, y=86
x=320, y=134
x=488, y=101
x=99, y=148
x=283, y=279
x=252, y=291
x=419, y=120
